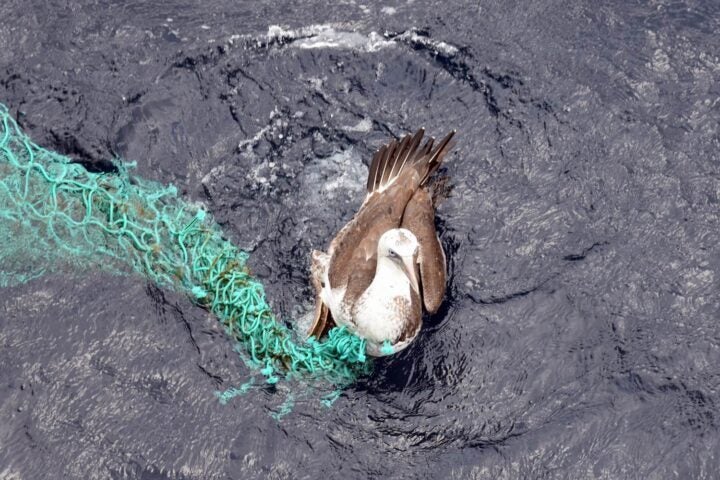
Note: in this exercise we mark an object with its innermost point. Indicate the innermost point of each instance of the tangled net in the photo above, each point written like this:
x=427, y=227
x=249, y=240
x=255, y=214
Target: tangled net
x=55, y=211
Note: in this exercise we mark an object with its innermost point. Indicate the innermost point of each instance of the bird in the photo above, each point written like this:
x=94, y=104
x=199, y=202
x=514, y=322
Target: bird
x=387, y=263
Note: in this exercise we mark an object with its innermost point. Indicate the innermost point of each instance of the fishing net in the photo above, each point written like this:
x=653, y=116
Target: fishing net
x=55, y=212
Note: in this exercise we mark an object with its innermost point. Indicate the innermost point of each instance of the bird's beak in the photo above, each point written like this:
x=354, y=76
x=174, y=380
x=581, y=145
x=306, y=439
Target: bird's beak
x=411, y=269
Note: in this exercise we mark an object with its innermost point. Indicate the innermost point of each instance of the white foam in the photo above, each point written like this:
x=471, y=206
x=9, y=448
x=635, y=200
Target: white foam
x=338, y=36
x=348, y=172
x=436, y=45
x=251, y=142
x=364, y=125
x=341, y=176
x=327, y=36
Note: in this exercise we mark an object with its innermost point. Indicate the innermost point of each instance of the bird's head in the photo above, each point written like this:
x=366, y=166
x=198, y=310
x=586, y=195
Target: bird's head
x=400, y=246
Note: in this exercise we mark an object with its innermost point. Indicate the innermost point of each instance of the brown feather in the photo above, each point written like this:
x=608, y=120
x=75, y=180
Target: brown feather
x=396, y=173
x=414, y=317
x=372, y=173
x=402, y=153
x=419, y=218
x=323, y=321
x=391, y=159
x=436, y=156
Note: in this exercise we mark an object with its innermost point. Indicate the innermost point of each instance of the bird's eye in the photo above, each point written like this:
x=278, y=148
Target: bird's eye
x=393, y=253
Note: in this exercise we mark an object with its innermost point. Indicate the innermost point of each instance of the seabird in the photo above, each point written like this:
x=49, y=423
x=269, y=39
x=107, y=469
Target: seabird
x=387, y=262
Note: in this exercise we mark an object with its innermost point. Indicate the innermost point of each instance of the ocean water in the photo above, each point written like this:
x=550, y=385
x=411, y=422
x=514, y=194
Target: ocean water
x=580, y=335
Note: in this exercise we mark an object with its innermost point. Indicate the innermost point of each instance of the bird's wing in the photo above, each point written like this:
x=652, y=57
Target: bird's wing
x=322, y=321
x=397, y=170
x=419, y=218
x=354, y=250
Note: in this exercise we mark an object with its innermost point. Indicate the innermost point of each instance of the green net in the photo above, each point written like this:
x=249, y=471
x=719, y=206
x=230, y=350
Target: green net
x=55, y=212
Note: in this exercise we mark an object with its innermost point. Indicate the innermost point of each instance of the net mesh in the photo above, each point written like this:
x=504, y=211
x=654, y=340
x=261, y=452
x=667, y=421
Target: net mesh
x=55, y=212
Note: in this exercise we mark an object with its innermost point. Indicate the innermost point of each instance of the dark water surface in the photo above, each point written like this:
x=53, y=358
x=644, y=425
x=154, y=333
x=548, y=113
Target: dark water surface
x=580, y=337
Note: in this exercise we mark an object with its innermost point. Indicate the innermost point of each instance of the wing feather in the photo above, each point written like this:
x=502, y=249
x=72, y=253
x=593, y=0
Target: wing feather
x=419, y=218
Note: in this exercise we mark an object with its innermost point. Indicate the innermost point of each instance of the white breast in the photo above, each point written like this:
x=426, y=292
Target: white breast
x=381, y=311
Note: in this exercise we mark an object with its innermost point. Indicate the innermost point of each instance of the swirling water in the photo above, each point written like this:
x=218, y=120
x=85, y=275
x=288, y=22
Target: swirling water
x=579, y=338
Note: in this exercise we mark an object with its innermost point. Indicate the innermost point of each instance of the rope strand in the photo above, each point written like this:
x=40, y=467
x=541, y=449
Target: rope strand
x=54, y=209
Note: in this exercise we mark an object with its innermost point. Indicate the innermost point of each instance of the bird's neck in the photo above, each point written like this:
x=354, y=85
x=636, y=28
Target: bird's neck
x=388, y=274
